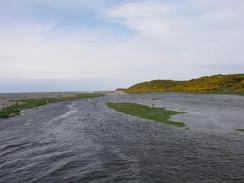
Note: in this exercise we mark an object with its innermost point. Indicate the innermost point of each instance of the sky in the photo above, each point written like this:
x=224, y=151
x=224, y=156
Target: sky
x=81, y=45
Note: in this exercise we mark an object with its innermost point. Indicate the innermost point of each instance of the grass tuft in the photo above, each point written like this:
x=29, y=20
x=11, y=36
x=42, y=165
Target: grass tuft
x=152, y=113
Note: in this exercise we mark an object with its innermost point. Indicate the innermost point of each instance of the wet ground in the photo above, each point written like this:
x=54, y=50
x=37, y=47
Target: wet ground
x=7, y=99
x=84, y=141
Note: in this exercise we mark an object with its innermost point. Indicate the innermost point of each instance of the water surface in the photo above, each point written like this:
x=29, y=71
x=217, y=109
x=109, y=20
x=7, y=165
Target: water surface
x=84, y=141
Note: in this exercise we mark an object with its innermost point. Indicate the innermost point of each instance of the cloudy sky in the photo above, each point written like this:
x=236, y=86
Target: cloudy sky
x=49, y=45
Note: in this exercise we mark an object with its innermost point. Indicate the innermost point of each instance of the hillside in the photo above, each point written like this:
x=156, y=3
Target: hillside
x=233, y=83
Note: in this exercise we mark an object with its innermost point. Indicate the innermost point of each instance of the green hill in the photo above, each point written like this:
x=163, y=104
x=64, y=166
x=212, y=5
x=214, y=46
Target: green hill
x=233, y=83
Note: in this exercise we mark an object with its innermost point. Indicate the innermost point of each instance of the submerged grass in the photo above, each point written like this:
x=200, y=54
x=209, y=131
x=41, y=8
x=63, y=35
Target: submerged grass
x=240, y=130
x=152, y=113
x=20, y=105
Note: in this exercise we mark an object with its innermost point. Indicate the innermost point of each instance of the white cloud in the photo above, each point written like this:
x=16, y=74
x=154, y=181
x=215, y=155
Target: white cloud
x=145, y=17
x=170, y=40
x=27, y=51
x=201, y=31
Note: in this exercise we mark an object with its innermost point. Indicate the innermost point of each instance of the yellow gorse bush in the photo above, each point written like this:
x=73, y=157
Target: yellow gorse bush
x=217, y=84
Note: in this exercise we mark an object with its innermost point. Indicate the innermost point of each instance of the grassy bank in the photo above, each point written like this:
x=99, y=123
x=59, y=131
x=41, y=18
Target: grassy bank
x=217, y=84
x=152, y=113
x=20, y=105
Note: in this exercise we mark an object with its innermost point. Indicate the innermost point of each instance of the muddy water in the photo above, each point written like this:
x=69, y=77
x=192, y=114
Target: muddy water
x=84, y=141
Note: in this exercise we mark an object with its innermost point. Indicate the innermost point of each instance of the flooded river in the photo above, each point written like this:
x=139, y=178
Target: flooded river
x=84, y=141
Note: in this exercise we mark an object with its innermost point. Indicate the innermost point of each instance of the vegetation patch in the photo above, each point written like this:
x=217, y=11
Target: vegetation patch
x=21, y=105
x=219, y=84
x=156, y=98
x=240, y=130
x=152, y=113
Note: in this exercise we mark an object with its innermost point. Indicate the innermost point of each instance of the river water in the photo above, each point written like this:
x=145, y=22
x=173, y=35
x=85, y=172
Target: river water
x=84, y=141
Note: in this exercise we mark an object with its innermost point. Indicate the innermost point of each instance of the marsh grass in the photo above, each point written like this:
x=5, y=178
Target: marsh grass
x=240, y=130
x=21, y=105
x=152, y=113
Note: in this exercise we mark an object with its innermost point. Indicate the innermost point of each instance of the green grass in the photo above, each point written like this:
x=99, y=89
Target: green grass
x=152, y=113
x=21, y=105
x=240, y=130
